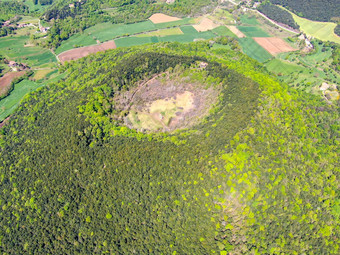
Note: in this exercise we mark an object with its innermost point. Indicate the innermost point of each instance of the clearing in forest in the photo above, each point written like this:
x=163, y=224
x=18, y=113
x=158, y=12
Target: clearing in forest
x=274, y=45
x=205, y=25
x=162, y=18
x=84, y=51
x=235, y=30
x=163, y=104
x=6, y=80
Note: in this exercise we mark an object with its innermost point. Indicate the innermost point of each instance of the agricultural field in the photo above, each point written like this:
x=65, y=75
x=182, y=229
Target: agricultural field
x=108, y=31
x=254, y=50
x=162, y=32
x=305, y=71
x=249, y=20
x=320, y=30
x=223, y=31
x=6, y=80
x=42, y=74
x=253, y=31
x=204, y=25
x=236, y=31
x=84, y=51
x=222, y=16
x=9, y=104
x=17, y=48
x=274, y=45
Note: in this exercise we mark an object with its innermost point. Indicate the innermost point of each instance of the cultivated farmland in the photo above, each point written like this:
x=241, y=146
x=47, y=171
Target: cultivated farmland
x=108, y=31
x=237, y=32
x=273, y=45
x=13, y=48
x=205, y=25
x=321, y=30
x=11, y=102
x=84, y=51
x=6, y=80
x=253, y=31
x=162, y=18
x=254, y=50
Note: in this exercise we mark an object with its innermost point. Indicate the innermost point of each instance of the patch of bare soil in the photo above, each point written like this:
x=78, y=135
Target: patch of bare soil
x=273, y=45
x=5, y=81
x=205, y=25
x=161, y=18
x=163, y=88
x=84, y=51
x=235, y=30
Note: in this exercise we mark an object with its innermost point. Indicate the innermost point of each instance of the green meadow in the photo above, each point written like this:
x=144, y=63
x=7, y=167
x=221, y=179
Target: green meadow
x=13, y=48
x=321, y=30
x=253, y=31
x=108, y=31
x=10, y=103
x=254, y=50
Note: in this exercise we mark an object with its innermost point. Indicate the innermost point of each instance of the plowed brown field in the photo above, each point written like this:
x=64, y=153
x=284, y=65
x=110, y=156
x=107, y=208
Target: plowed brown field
x=5, y=81
x=84, y=51
x=161, y=18
x=274, y=45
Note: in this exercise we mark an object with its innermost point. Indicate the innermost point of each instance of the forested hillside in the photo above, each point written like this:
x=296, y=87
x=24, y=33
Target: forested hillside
x=250, y=177
x=319, y=10
x=9, y=9
x=278, y=14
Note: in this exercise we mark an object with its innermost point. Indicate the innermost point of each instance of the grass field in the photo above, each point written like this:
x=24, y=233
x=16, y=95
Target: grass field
x=189, y=30
x=13, y=49
x=223, y=31
x=35, y=7
x=249, y=20
x=218, y=46
x=254, y=50
x=190, y=34
x=253, y=31
x=321, y=30
x=160, y=112
x=133, y=41
x=108, y=31
x=222, y=16
x=9, y=104
x=163, y=32
x=280, y=66
x=41, y=74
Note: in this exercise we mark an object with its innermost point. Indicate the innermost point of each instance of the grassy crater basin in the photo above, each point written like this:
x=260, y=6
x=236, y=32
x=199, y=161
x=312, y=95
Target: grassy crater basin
x=168, y=102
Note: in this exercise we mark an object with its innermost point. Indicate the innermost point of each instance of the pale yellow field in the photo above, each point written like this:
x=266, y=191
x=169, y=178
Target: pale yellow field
x=40, y=74
x=320, y=30
x=205, y=25
x=161, y=18
x=159, y=113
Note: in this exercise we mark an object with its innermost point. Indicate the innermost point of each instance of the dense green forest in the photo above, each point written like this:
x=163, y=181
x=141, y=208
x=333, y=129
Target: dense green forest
x=9, y=9
x=319, y=10
x=276, y=13
x=259, y=175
